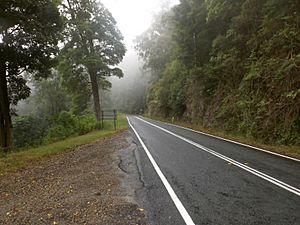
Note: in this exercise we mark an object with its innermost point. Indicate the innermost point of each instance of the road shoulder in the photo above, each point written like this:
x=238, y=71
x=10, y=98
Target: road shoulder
x=89, y=185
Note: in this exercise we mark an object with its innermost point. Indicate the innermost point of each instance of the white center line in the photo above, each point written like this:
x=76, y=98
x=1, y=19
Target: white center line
x=184, y=214
x=264, y=176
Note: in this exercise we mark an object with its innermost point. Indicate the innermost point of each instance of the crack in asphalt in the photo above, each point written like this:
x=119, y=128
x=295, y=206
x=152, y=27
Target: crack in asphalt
x=124, y=161
x=120, y=165
x=138, y=169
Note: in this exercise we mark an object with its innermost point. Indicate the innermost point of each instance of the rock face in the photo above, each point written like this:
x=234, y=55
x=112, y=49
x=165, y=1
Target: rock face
x=93, y=184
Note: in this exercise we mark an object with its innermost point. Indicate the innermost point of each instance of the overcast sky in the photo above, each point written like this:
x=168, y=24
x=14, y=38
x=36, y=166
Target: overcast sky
x=134, y=16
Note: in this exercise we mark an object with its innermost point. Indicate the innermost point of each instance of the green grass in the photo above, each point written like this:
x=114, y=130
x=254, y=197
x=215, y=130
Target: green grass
x=293, y=151
x=16, y=160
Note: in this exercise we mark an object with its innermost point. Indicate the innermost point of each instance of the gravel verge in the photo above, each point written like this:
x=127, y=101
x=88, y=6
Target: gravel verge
x=92, y=184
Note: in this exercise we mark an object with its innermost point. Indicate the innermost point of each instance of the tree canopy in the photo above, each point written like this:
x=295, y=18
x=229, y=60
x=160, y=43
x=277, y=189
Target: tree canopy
x=29, y=32
x=93, y=48
x=33, y=32
x=233, y=65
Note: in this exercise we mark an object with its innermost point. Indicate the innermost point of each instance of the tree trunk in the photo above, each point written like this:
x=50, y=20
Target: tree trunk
x=2, y=130
x=5, y=118
x=96, y=95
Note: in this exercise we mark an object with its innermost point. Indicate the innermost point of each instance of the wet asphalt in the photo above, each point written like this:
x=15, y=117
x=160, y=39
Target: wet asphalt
x=212, y=190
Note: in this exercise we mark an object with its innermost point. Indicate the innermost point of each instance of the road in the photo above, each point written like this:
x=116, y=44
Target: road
x=191, y=178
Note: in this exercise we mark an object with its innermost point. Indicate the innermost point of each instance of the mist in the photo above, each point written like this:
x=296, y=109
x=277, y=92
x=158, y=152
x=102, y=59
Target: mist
x=128, y=94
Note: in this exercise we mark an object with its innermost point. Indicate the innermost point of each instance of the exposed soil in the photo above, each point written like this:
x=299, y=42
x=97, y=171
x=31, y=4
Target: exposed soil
x=85, y=186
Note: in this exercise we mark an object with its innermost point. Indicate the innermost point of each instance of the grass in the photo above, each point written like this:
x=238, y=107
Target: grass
x=293, y=151
x=16, y=160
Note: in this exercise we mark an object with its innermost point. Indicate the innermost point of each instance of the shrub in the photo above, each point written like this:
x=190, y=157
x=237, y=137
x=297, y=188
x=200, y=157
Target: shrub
x=86, y=123
x=31, y=131
x=63, y=126
x=28, y=131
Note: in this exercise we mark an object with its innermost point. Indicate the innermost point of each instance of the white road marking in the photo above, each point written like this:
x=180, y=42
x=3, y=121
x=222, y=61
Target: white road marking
x=235, y=142
x=272, y=180
x=184, y=214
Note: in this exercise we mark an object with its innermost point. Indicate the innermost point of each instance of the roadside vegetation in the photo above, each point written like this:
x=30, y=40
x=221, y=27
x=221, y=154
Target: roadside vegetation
x=231, y=66
x=292, y=151
x=60, y=53
x=223, y=65
x=55, y=58
x=21, y=158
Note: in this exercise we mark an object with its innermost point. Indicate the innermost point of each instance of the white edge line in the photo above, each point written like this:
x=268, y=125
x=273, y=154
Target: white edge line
x=234, y=142
x=236, y=163
x=184, y=214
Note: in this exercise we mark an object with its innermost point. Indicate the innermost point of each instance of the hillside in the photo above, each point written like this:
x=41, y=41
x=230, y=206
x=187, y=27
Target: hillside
x=229, y=65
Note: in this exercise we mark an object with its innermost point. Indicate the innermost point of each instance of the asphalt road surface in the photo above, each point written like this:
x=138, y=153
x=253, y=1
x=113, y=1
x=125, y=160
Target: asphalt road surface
x=191, y=178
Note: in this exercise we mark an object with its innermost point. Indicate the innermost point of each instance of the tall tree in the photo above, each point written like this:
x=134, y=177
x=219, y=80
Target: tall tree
x=93, y=46
x=234, y=66
x=28, y=42
x=155, y=46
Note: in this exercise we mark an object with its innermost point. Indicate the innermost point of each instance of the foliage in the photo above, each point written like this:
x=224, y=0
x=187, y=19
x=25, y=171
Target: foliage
x=239, y=67
x=86, y=123
x=15, y=160
x=155, y=44
x=29, y=32
x=29, y=131
x=34, y=131
x=29, y=37
x=49, y=97
x=93, y=48
x=169, y=91
x=64, y=125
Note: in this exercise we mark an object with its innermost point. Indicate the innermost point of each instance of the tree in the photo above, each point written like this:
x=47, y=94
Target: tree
x=234, y=66
x=28, y=42
x=93, y=46
x=155, y=46
x=168, y=94
x=49, y=97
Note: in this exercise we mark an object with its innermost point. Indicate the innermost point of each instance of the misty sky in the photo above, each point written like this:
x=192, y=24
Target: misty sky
x=134, y=16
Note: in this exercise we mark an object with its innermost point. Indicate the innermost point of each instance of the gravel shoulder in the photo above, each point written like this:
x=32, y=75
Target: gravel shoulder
x=93, y=184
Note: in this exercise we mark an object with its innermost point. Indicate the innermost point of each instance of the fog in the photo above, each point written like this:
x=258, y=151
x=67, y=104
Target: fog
x=128, y=94
x=133, y=17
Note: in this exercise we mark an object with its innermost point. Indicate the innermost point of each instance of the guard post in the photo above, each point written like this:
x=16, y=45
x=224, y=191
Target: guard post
x=109, y=115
